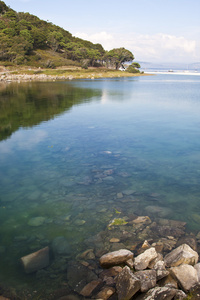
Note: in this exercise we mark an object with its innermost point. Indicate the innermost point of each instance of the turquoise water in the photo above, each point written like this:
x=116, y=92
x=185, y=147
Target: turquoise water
x=70, y=150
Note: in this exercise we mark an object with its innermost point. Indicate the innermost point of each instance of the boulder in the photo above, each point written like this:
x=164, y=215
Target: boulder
x=186, y=275
x=142, y=261
x=36, y=260
x=147, y=279
x=115, y=257
x=181, y=255
x=127, y=284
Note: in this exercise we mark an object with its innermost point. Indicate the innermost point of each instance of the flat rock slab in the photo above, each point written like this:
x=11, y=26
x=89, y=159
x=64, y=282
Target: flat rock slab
x=186, y=275
x=184, y=254
x=90, y=288
x=115, y=257
x=142, y=261
x=127, y=284
x=36, y=261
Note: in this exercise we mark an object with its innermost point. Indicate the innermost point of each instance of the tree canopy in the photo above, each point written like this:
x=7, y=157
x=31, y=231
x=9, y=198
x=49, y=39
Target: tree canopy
x=118, y=56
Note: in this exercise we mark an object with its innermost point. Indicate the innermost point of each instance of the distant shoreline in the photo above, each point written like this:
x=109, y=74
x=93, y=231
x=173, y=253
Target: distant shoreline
x=173, y=72
x=64, y=73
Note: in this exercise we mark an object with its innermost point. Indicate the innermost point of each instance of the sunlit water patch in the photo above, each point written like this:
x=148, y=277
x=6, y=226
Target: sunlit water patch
x=75, y=155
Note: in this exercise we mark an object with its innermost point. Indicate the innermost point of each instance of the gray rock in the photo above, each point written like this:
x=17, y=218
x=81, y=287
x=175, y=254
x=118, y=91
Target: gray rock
x=36, y=261
x=128, y=192
x=142, y=261
x=160, y=269
x=181, y=255
x=147, y=279
x=115, y=257
x=60, y=246
x=180, y=295
x=186, y=275
x=158, y=293
x=127, y=284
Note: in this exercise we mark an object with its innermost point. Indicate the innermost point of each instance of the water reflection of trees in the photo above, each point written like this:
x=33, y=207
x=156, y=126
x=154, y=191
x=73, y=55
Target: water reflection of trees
x=28, y=104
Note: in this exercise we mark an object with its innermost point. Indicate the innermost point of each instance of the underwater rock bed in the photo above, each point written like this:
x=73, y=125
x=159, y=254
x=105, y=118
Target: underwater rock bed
x=140, y=252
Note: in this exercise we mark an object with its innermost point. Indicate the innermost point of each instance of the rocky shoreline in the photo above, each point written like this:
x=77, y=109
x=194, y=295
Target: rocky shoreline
x=137, y=259
x=33, y=77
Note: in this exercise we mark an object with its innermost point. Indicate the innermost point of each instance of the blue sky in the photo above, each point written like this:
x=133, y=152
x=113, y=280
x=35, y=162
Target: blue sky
x=154, y=30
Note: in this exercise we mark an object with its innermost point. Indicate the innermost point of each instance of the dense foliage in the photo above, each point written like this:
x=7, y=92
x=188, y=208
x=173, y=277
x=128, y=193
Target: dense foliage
x=25, y=39
x=133, y=68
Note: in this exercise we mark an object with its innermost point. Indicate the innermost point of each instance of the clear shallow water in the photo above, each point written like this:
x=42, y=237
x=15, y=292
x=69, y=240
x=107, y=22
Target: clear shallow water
x=68, y=149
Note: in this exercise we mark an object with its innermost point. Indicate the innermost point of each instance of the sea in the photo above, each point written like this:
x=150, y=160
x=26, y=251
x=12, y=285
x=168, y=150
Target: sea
x=74, y=155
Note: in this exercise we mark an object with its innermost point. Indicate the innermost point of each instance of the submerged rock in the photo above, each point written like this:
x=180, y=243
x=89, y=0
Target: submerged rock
x=60, y=246
x=90, y=288
x=37, y=221
x=105, y=293
x=36, y=261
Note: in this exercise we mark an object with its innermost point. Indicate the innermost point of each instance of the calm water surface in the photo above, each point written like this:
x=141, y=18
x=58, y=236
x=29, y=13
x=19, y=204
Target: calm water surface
x=69, y=151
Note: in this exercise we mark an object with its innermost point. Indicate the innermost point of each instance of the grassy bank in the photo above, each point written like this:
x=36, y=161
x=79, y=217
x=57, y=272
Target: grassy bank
x=71, y=72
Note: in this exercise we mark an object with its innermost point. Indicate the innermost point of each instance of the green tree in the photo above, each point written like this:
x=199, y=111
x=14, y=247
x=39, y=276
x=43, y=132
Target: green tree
x=133, y=68
x=115, y=58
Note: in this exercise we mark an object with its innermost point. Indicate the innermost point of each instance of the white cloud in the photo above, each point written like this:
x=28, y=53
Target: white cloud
x=158, y=47
x=102, y=37
x=23, y=140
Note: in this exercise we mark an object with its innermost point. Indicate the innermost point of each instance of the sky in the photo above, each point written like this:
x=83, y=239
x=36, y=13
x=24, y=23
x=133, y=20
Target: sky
x=153, y=30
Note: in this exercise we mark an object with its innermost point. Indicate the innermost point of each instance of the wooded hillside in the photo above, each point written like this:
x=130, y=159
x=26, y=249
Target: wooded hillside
x=27, y=40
